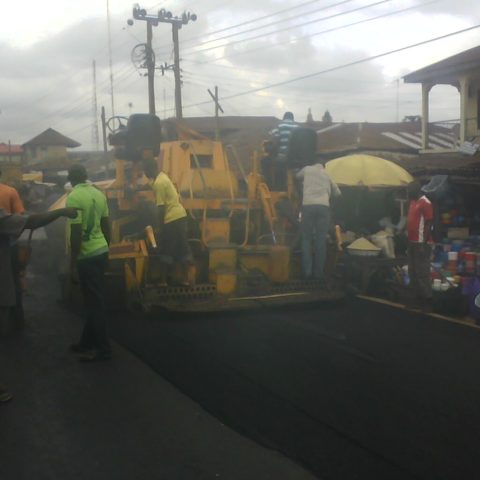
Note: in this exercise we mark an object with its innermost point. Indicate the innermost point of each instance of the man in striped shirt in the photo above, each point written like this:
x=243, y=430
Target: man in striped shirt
x=419, y=230
x=282, y=135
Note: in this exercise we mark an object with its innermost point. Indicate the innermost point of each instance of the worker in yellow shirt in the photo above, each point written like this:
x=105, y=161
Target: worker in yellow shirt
x=172, y=220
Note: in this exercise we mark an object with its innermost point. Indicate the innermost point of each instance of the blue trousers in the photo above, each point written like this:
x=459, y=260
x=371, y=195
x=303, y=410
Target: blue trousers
x=314, y=228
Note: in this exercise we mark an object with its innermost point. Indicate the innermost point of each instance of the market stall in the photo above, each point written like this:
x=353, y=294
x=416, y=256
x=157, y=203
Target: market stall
x=456, y=255
x=372, y=213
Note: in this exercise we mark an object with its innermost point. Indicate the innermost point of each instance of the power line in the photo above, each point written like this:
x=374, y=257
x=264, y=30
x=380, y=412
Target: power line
x=272, y=23
x=340, y=67
x=291, y=27
x=191, y=50
x=322, y=32
x=77, y=72
x=79, y=105
x=110, y=58
x=253, y=20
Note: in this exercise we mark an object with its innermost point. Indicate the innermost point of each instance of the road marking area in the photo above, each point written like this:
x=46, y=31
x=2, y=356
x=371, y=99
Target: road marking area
x=466, y=322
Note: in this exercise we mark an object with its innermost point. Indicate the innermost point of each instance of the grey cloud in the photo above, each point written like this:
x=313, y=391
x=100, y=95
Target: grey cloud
x=50, y=83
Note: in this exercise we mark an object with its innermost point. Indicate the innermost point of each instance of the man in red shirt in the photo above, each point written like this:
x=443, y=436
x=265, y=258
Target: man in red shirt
x=419, y=230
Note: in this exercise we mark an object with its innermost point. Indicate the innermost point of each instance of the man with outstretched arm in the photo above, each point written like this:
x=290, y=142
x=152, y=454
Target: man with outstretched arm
x=11, y=202
x=11, y=226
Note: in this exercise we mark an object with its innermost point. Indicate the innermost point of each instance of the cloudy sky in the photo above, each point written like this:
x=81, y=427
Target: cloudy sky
x=246, y=47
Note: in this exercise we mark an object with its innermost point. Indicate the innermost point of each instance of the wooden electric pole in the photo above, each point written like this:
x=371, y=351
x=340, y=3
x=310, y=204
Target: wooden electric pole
x=163, y=16
x=218, y=108
x=176, y=72
x=150, y=70
x=104, y=137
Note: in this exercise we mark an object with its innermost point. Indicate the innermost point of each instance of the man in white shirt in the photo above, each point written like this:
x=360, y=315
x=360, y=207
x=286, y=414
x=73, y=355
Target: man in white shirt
x=318, y=189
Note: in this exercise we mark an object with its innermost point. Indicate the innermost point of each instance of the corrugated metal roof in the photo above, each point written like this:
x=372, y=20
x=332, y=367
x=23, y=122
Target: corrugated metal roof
x=51, y=137
x=395, y=137
x=6, y=149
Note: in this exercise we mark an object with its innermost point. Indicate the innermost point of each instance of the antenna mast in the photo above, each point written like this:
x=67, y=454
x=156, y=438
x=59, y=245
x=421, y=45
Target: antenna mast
x=95, y=139
x=110, y=57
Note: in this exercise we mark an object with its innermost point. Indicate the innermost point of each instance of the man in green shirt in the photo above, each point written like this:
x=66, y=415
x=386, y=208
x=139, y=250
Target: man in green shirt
x=89, y=240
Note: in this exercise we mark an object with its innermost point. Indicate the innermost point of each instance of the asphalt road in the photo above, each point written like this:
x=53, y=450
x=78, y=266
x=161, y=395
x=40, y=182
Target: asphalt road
x=118, y=420
x=353, y=391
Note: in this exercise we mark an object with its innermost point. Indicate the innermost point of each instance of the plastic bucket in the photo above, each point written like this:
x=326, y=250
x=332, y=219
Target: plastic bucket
x=452, y=256
x=470, y=262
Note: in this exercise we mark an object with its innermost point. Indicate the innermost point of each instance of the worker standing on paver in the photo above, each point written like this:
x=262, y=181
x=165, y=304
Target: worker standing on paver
x=89, y=240
x=419, y=231
x=11, y=202
x=282, y=135
x=318, y=190
x=11, y=226
x=172, y=222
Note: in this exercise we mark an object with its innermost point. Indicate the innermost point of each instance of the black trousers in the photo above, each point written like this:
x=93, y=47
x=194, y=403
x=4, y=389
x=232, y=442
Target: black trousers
x=91, y=273
x=17, y=311
x=419, y=270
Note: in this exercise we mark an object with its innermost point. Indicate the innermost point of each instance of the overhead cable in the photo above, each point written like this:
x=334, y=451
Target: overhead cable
x=291, y=27
x=322, y=32
x=340, y=67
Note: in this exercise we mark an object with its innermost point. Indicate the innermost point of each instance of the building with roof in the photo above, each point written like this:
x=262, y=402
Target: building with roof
x=402, y=142
x=48, y=148
x=463, y=72
x=11, y=154
x=402, y=138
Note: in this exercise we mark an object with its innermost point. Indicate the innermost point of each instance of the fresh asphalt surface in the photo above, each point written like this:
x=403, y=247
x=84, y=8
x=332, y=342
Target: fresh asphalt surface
x=360, y=390
x=117, y=420
x=351, y=391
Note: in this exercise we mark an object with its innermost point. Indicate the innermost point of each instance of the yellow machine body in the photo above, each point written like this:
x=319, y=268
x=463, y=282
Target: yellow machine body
x=243, y=249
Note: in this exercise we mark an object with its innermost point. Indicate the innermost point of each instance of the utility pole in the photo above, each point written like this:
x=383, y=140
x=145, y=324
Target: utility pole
x=150, y=70
x=164, y=103
x=176, y=71
x=95, y=139
x=164, y=16
x=104, y=134
x=218, y=108
x=110, y=58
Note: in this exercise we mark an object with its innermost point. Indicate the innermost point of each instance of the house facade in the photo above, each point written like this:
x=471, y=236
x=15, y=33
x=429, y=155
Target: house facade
x=11, y=154
x=48, y=148
x=463, y=72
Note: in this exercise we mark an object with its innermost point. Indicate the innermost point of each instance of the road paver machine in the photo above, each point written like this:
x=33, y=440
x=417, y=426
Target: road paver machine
x=244, y=237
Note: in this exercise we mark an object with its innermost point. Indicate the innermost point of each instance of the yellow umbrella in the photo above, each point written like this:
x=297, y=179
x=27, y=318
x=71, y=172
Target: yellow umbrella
x=367, y=171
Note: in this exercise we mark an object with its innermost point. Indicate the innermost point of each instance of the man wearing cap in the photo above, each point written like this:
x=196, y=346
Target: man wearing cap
x=419, y=231
x=11, y=226
x=89, y=240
